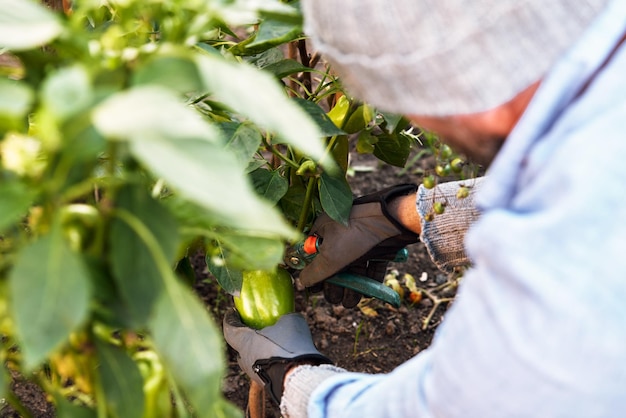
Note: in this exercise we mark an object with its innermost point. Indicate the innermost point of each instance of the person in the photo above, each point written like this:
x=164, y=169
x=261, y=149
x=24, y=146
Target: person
x=536, y=90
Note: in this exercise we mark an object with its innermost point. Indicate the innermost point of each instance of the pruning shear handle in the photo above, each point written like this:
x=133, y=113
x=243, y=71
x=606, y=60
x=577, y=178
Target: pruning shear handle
x=303, y=252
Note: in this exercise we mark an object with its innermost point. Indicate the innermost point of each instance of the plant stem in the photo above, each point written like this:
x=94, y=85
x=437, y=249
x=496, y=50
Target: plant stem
x=308, y=198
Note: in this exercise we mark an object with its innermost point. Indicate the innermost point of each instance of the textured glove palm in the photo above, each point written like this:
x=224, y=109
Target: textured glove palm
x=266, y=354
x=365, y=246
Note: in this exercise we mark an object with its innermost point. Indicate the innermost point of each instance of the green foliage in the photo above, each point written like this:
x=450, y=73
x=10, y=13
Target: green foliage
x=162, y=127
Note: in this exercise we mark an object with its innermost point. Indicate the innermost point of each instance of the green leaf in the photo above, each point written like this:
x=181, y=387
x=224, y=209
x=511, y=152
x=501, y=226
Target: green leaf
x=269, y=184
x=121, y=382
x=16, y=99
x=327, y=127
x=244, y=142
x=365, y=142
x=273, y=33
x=144, y=112
x=210, y=176
x=67, y=91
x=228, y=278
x=190, y=345
x=341, y=152
x=4, y=381
x=135, y=272
x=393, y=149
x=50, y=297
x=292, y=203
x=393, y=122
x=285, y=67
x=359, y=119
x=178, y=73
x=250, y=252
x=15, y=199
x=66, y=409
x=258, y=95
x=336, y=197
x=176, y=144
x=26, y=24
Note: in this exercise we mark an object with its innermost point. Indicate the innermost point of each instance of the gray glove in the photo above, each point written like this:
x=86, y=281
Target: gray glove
x=267, y=354
x=364, y=247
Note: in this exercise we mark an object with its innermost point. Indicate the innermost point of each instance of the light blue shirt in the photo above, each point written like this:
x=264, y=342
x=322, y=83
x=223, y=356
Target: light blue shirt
x=538, y=328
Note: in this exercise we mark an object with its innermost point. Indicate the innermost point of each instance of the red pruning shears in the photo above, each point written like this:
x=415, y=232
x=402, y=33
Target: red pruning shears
x=302, y=253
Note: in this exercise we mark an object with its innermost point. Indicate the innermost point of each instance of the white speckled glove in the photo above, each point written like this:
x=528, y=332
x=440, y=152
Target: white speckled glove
x=444, y=235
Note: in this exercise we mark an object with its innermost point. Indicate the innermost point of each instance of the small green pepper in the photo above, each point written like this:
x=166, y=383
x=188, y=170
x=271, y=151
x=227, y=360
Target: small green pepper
x=265, y=296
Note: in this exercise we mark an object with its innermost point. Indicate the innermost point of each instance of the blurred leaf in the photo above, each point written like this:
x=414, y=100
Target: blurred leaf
x=244, y=142
x=210, y=176
x=269, y=184
x=108, y=305
x=4, y=382
x=336, y=197
x=190, y=346
x=121, y=382
x=15, y=199
x=178, y=73
x=177, y=145
x=325, y=124
x=67, y=91
x=50, y=297
x=26, y=24
x=66, y=409
x=133, y=266
x=286, y=67
x=393, y=149
x=144, y=112
x=258, y=95
x=16, y=99
x=185, y=271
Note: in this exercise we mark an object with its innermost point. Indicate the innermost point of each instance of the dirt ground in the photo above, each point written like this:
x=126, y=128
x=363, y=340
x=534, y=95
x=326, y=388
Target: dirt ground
x=372, y=338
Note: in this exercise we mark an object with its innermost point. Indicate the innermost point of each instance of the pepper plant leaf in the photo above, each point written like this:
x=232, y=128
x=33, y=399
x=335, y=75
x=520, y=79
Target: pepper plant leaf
x=335, y=197
x=26, y=24
x=269, y=108
x=15, y=199
x=190, y=346
x=133, y=266
x=121, y=382
x=50, y=291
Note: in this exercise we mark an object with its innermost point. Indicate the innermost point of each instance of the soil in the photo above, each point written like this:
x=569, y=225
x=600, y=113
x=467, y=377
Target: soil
x=373, y=337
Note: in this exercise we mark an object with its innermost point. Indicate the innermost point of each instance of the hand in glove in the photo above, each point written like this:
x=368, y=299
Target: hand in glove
x=268, y=353
x=372, y=238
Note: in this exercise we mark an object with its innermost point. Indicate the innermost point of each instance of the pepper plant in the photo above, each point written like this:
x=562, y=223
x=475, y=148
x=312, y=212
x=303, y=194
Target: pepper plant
x=134, y=133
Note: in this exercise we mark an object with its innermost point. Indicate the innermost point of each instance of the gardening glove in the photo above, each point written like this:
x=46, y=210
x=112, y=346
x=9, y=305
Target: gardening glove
x=268, y=353
x=364, y=247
